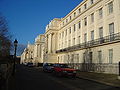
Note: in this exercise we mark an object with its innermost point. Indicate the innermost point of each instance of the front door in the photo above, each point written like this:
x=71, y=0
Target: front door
x=90, y=57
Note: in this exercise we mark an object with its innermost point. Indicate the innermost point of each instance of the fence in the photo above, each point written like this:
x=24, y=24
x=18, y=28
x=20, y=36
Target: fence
x=6, y=69
x=95, y=67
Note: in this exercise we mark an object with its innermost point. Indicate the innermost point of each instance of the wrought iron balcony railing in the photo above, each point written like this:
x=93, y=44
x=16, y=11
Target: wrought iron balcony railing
x=100, y=41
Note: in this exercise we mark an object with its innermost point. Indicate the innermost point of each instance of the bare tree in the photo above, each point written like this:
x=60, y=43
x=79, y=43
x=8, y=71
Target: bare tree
x=5, y=37
x=20, y=49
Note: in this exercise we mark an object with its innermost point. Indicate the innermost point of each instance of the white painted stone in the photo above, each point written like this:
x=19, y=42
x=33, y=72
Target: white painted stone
x=119, y=77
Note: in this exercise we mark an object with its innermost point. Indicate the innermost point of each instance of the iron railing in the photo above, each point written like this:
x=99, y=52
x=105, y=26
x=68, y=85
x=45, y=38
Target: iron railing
x=97, y=67
x=93, y=43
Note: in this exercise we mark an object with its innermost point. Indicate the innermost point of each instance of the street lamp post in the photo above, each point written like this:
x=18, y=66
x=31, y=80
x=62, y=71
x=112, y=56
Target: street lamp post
x=0, y=46
x=15, y=46
x=119, y=70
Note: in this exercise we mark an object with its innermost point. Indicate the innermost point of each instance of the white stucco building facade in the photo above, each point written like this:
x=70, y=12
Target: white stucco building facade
x=34, y=52
x=88, y=38
x=39, y=48
x=51, y=41
x=28, y=54
x=89, y=34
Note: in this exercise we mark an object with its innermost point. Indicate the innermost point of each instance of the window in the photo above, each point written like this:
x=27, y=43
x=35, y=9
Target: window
x=92, y=35
x=92, y=1
x=70, y=29
x=79, y=25
x=85, y=21
x=100, y=56
x=63, y=23
x=60, y=25
x=63, y=34
x=74, y=27
x=66, y=32
x=73, y=41
x=111, y=31
x=77, y=58
x=62, y=44
x=92, y=17
x=111, y=28
x=69, y=43
x=100, y=13
x=84, y=57
x=66, y=20
x=90, y=57
x=78, y=39
x=72, y=58
x=68, y=60
x=85, y=6
x=70, y=17
x=74, y=14
x=79, y=10
x=60, y=35
x=85, y=37
x=65, y=43
x=101, y=32
x=110, y=7
x=59, y=45
x=110, y=56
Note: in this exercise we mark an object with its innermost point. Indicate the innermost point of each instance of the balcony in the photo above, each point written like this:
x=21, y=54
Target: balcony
x=94, y=43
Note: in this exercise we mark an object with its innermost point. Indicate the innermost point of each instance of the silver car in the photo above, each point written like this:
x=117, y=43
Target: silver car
x=47, y=67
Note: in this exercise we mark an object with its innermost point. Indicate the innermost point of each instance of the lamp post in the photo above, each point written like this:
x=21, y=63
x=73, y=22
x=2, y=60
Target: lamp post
x=15, y=46
x=0, y=47
x=119, y=70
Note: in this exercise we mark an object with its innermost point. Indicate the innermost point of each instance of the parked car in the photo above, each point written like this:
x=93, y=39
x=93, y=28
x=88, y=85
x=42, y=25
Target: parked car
x=63, y=70
x=47, y=67
x=30, y=64
x=25, y=63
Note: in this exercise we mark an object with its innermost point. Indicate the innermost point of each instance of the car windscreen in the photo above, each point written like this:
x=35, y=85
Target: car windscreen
x=50, y=64
x=30, y=63
x=63, y=66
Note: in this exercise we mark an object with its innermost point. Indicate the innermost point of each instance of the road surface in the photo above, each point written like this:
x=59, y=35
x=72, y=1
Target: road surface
x=32, y=78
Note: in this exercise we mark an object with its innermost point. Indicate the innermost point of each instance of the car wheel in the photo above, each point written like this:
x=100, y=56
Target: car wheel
x=74, y=76
x=54, y=73
x=59, y=74
x=43, y=70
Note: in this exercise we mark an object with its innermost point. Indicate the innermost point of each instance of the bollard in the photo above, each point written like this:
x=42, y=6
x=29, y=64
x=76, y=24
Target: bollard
x=119, y=71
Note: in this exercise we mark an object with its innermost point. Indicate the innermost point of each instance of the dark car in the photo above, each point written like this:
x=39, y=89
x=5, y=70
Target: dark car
x=63, y=70
x=47, y=67
x=30, y=64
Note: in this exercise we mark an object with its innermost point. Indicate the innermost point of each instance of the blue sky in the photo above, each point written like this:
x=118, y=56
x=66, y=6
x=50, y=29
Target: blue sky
x=28, y=18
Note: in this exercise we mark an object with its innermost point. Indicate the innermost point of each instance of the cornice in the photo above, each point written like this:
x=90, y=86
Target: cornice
x=50, y=30
x=80, y=13
x=78, y=6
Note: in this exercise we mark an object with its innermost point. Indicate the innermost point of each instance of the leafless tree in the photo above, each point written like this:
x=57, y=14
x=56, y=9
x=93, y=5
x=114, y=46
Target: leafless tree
x=5, y=37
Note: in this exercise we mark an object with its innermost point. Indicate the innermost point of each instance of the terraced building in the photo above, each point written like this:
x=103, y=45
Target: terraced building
x=88, y=38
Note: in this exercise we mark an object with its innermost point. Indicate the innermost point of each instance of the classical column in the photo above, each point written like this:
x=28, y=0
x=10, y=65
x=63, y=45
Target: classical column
x=40, y=50
x=37, y=50
x=55, y=41
x=52, y=41
x=47, y=44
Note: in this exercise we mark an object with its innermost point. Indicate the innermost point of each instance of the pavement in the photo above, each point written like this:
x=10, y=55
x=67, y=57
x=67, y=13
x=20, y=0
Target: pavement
x=108, y=79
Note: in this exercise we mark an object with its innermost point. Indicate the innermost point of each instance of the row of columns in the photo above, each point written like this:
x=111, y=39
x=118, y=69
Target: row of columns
x=50, y=42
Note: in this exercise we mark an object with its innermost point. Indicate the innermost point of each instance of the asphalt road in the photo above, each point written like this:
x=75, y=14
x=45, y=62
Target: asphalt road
x=28, y=78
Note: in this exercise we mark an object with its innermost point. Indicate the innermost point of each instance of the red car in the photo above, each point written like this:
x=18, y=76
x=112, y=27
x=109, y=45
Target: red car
x=63, y=70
